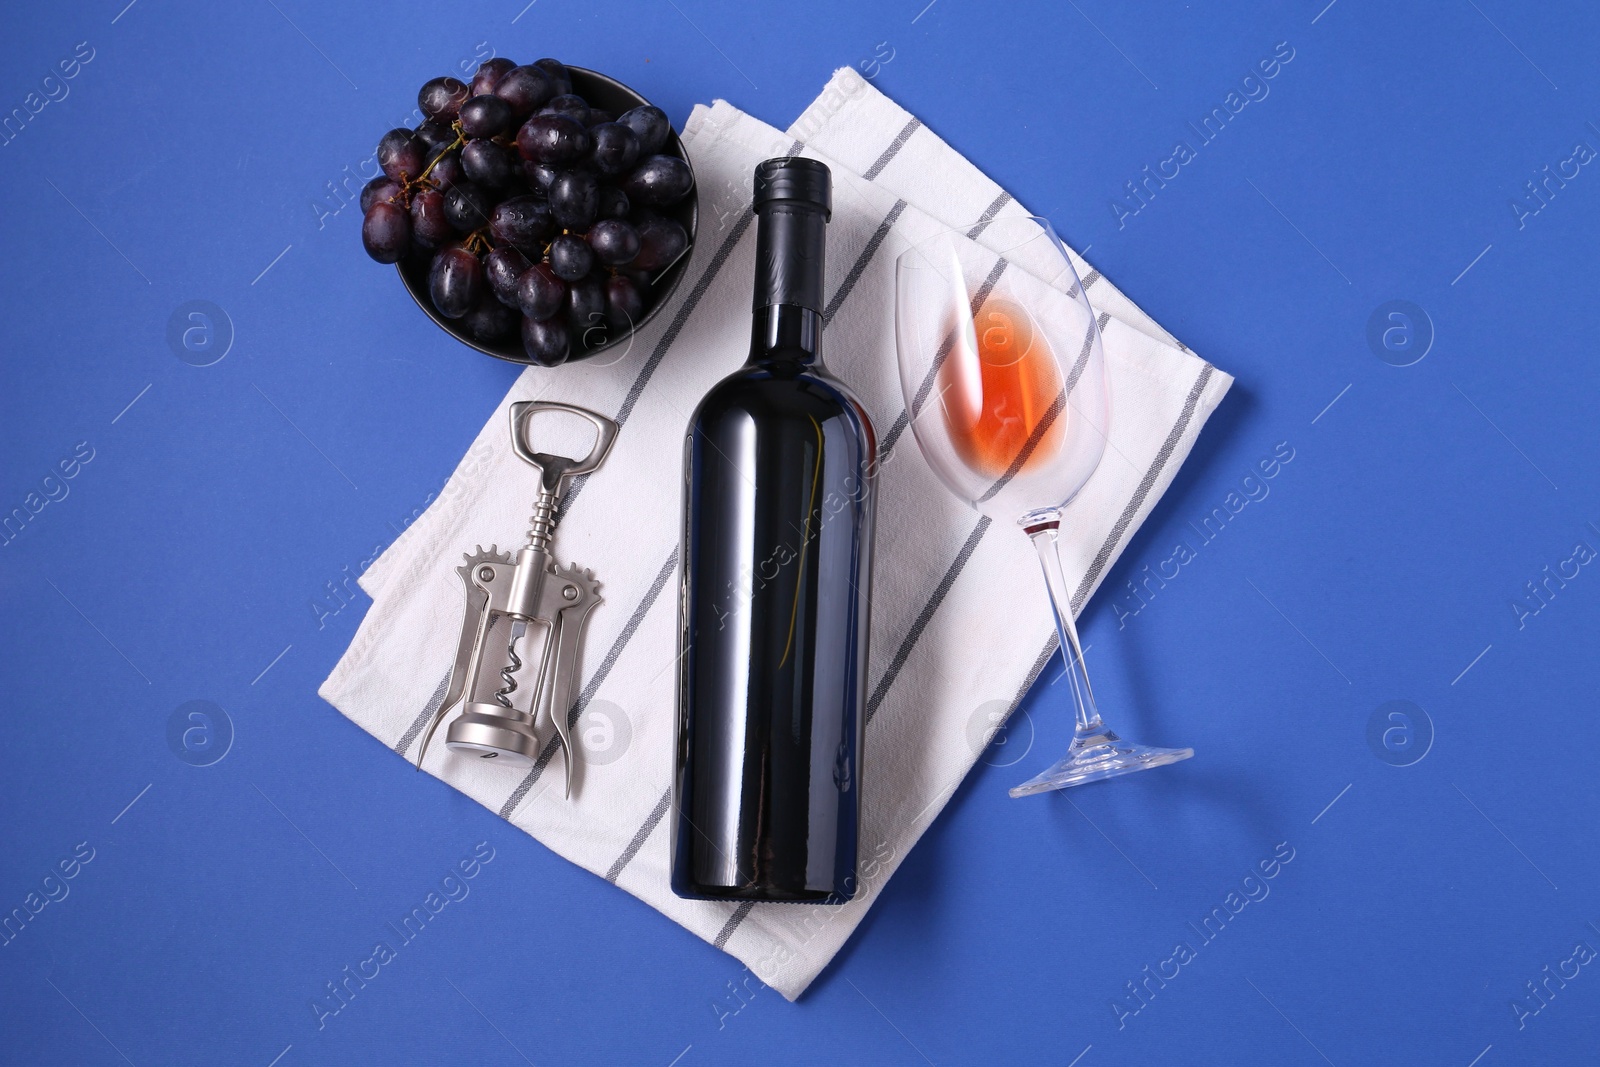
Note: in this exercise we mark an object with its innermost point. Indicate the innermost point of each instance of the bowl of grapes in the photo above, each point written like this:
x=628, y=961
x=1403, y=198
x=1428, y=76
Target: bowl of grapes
x=541, y=214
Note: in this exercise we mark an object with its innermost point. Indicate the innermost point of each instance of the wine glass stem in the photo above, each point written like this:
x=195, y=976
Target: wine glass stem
x=1043, y=534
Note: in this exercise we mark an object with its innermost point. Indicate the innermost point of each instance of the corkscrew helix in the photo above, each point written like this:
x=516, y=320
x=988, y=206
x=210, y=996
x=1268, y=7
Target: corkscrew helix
x=531, y=591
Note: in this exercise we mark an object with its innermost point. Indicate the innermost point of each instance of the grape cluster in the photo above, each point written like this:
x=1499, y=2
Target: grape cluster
x=527, y=204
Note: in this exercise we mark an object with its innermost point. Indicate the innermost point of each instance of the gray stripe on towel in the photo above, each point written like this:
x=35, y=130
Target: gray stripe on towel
x=925, y=616
x=733, y=923
x=988, y=215
x=893, y=149
x=415, y=728
x=641, y=836
x=862, y=261
x=1137, y=500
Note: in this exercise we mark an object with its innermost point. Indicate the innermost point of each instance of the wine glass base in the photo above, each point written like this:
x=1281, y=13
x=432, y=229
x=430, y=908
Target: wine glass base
x=1102, y=755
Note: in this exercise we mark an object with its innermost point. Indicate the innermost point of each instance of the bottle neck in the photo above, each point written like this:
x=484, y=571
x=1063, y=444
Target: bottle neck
x=788, y=290
x=786, y=333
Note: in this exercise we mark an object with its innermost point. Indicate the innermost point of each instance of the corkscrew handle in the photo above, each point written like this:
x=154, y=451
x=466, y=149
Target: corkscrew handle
x=555, y=470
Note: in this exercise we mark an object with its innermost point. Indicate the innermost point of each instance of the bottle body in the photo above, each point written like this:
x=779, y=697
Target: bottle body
x=775, y=565
x=776, y=572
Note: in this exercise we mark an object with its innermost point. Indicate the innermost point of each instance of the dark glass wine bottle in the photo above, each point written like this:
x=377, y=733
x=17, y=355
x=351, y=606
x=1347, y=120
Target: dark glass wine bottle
x=779, y=470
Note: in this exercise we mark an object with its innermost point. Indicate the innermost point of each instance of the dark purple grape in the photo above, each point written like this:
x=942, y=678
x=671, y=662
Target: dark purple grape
x=573, y=107
x=574, y=199
x=466, y=206
x=571, y=257
x=616, y=147
x=660, y=242
x=539, y=175
x=504, y=267
x=540, y=294
x=553, y=139
x=447, y=171
x=489, y=321
x=429, y=227
x=400, y=154
x=614, y=242
x=386, y=232
x=659, y=181
x=586, y=302
x=523, y=222
x=377, y=191
x=436, y=136
x=638, y=277
x=525, y=89
x=442, y=98
x=651, y=125
x=587, y=339
x=490, y=164
x=485, y=116
x=613, y=203
x=624, y=302
x=455, y=281
x=546, y=341
x=490, y=71
x=560, y=77
x=597, y=116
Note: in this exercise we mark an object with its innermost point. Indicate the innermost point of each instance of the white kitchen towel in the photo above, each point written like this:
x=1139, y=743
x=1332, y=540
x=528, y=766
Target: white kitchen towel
x=960, y=623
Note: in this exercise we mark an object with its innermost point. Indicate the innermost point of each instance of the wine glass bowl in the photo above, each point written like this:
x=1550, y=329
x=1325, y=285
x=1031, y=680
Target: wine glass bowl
x=1003, y=371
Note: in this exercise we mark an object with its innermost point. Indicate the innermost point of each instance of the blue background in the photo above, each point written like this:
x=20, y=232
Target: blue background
x=186, y=163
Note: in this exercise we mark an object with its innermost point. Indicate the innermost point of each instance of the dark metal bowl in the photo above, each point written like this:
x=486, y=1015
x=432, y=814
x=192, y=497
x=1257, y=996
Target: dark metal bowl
x=608, y=94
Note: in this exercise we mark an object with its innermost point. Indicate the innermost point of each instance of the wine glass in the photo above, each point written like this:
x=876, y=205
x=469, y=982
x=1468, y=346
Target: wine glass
x=1005, y=387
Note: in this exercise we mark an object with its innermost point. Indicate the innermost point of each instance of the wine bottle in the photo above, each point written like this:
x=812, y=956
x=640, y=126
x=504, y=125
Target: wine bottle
x=779, y=471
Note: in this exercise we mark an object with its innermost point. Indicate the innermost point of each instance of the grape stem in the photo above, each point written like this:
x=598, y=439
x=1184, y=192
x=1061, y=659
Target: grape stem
x=409, y=184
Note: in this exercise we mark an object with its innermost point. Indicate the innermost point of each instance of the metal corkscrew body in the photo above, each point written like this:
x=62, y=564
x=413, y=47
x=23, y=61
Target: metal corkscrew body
x=528, y=593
